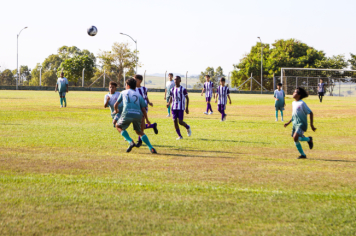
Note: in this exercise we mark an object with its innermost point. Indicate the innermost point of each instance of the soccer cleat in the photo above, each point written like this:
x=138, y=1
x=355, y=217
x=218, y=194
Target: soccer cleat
x=282, y=119
x=132, y=145
x=224, y=117
x=311, y=144
x=205, y=112
x=189, y=132
x=221, y=120
x=169, y=115
x=210, y=113
x=139, y=143
x=276, y=119
x=61, y=106
x=180, y=137
x=153, y=151
x=155, y=128
x=302, y=157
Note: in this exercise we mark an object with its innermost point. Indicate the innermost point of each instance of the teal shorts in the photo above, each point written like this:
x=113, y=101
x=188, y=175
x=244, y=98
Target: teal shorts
x=62, y=94
x=299, y=131
x=279, y=108
x=124, y=123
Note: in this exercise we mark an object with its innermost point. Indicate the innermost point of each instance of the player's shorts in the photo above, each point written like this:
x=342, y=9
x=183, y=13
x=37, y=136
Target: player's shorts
x=208, y=99
x=178, y=114
x=62, y=94
x=279, y=108
x=321, y=93
x=299, y=131
x=221, y=107
x=124, y=123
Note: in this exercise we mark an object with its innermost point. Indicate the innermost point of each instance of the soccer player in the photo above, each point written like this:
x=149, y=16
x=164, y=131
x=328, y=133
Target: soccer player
x=178, y=96
x=133, y=110
x=62, y=87
x=109, y=101
x=169, y=85
x=209, y=91
x=279, y=103
x=321, y=90
x=300, y=121
x=143, y=92
x=222, y=93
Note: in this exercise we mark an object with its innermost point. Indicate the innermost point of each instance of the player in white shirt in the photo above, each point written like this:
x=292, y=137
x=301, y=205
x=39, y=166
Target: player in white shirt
x=62, y=87
x=223, y=93
x=209, y=93
x=109, y=101
x=167, y=95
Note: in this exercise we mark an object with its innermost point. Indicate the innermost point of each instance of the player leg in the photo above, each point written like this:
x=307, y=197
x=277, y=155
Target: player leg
x=223, y=107
x=182, y=123
x=277, y=113
x=64, y=99
x=282, y=113
x=296, y=135
x=137, y=127
x=175, y=121
x=143, y=126
x=168, y=108
x=60, y=99
x=207, y=106
x=121, y=126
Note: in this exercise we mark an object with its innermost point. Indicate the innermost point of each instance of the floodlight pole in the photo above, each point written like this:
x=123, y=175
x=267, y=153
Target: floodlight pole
x=165, y=79
x=123, y=85
x=104, y=80
x=186, y=80
x=136, y=49
x=144, y=79
x=83, y=78
x=17, y=78
x=40, y=75
x=228, y=78
x=261, y=63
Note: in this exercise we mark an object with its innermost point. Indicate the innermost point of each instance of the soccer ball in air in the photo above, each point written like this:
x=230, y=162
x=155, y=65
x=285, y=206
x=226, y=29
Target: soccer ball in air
x=92, y=30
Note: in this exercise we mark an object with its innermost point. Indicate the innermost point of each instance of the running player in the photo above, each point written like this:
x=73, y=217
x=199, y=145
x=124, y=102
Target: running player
x=109, y=101
x=300, y=121
x=279, y=103
x=209, y=91
x=178, y=96
x=143, y=92
x=222, y=93
x=167, y=95
x=62, y=87
x=321, y=90
x=133, y=110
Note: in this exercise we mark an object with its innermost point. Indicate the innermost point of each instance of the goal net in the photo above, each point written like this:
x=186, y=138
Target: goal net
x=337, y=82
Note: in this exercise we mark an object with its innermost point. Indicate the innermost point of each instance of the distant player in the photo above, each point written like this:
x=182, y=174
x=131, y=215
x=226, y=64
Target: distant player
x=209, y=93
x=279, y=97
x=321, y=90
x=300, y=121
x=178, y=96
x=110, y=100
x=62, y=87
x=222, y=93
x=167, y=95
x=143, y=92
x=134, y=107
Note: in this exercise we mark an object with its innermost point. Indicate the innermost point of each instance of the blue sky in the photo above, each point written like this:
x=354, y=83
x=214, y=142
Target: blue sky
x=176, y=36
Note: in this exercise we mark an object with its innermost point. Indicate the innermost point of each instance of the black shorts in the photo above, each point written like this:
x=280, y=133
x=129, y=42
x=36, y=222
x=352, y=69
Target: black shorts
x=321, y=93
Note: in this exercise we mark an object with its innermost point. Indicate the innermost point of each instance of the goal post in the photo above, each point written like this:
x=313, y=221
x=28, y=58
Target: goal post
x=338, y=82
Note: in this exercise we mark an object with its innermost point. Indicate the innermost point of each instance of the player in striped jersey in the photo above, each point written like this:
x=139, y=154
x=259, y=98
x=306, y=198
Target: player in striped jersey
x=143, y=92
x=222, y=93
x=209, y=92
x=178, y=97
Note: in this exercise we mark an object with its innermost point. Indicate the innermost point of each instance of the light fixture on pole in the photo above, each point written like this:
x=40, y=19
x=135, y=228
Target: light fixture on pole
x=261, y=63
x=136, y=49
x=17, y=67
x=83, y=78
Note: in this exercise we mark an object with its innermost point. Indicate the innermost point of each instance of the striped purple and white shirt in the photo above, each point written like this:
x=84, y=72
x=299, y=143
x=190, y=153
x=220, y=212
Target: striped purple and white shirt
x=223, y=91
x=178, y=98
x=208, y=86
x=143, y=92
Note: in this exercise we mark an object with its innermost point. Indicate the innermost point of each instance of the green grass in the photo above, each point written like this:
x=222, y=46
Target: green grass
x=65, y=171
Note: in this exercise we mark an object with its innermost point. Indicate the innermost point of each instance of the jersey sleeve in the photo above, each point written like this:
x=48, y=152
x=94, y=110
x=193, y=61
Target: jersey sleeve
x=228, y=91
x=306, y=109
x=142, y=102
x=204, y=86
x=66, y=81
x=284, y=95
x=185, y=93
x=106, y=97
x=119, y=99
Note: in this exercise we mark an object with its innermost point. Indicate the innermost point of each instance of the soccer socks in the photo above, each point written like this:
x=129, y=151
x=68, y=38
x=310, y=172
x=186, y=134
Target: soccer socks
x=282, y=115
x=186, y=126
x=169, y=110
x=304, y=139
x=65, y=101
x=178, y=132
x=207, y=107
x=277, y=115
x=210, y=107
x=61, y=99
x=139, y=138
x=299, y=147
x=150, y=126
x=146, y=141
x=126, y=136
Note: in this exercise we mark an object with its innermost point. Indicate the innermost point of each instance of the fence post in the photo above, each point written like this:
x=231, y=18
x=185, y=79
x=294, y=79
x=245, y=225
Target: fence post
x=339, y=87
x=274, y=82
x=165, y=79
x=104, y=80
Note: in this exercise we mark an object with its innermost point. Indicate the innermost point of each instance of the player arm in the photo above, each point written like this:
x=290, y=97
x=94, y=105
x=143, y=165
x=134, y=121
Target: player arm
x=312, y=121
x=116, y=107
x=106, y=104
x=286, y=124
x=169, y=102
x=216, y=98
x=67, y=87
x=202, y=91
x=56, y=88
x=229, y=98
x=214, y=92
x=187, y=110
x=165, y=92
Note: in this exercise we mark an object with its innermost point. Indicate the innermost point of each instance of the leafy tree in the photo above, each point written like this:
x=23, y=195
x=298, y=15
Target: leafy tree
x=352, y=61
x=119, y=58
x=49, y=71
x=334, y=62
x=214, y=76
x=66, y=52
x=7, y=78
x=74, y=66
x=24, y=76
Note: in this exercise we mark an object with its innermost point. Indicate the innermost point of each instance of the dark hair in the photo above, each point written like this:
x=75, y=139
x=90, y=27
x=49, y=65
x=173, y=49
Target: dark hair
x=208, y=76
x=222, y=79
x=132, y=83
x=139, y=77
x=178, y=77
x=113, y=83
x=171, y=74
x=279, y=84
x=302, y=93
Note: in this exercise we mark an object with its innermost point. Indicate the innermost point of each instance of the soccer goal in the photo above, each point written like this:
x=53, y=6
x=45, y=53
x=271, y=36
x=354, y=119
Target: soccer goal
x=338, y=82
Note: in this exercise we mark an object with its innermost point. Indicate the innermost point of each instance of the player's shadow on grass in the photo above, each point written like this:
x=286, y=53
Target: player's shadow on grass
x=184, y=155
x=10, y=124
x=191, y=150
x=231, y=141
x=332, y=160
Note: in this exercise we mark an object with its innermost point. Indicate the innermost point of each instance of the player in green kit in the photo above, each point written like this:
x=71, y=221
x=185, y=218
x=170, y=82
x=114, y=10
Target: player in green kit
x=300, y=121
x=279, y=103
x=134, y=107
x=62, y=87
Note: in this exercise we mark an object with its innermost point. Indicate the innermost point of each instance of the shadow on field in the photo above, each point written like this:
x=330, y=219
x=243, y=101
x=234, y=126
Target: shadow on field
x=184, y=155
x=10, y=124
x=233, y=141
x=192, y=150
x=332, y=160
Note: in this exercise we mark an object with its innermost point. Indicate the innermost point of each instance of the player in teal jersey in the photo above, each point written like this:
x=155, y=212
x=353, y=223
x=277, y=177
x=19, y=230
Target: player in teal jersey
x=62, y=87
x=109, y=101
x=167, y=95
x=134, y=107
x=300, y=121
x=279, y=103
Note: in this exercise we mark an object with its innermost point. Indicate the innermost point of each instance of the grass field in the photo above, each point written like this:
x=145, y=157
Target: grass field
x=65, y=171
